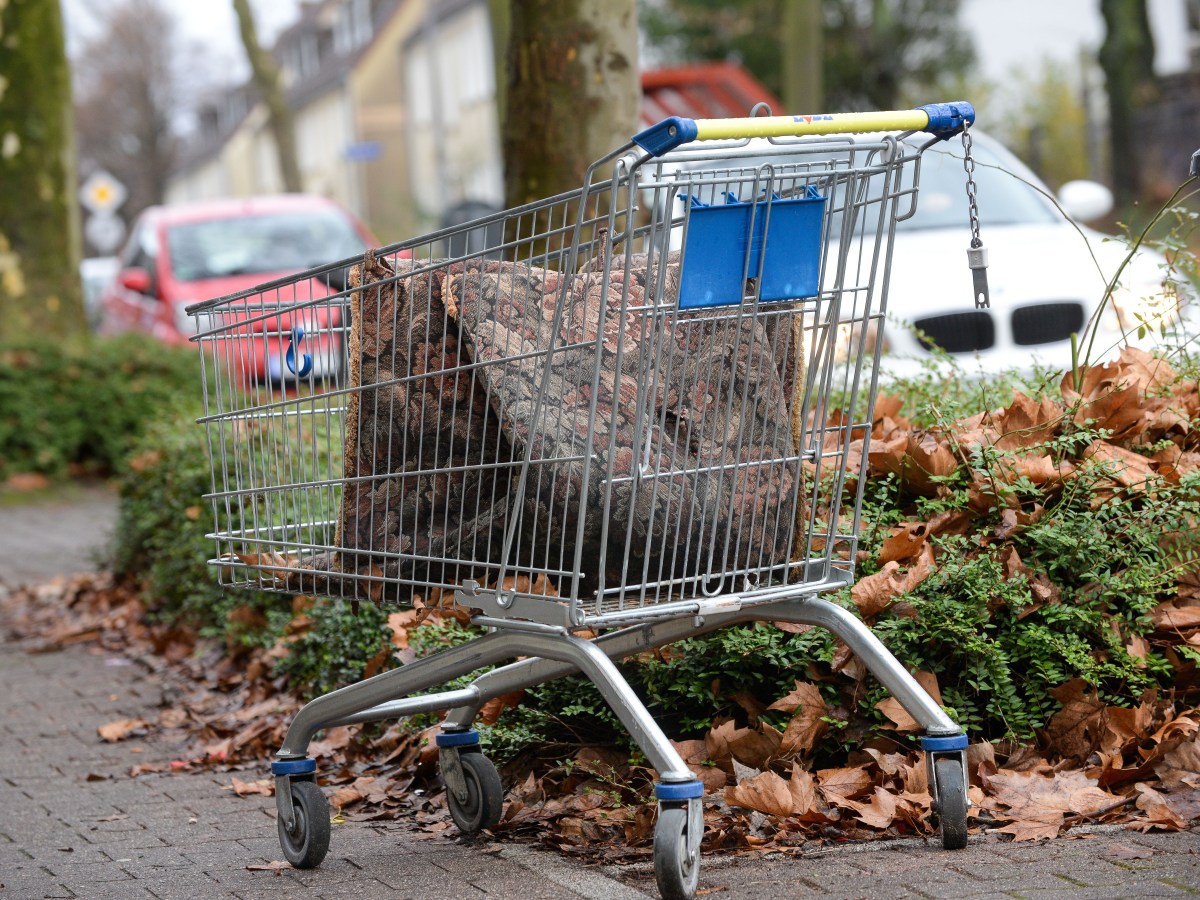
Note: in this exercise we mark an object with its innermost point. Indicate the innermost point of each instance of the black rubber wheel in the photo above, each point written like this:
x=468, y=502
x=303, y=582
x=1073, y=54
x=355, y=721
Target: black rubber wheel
x=306, y=844
x=485, y=795
x=952, y=802
x=676, y=871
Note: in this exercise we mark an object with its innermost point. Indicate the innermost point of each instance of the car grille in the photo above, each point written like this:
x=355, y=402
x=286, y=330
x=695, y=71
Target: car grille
x=1046, y=323
x=963, y=332
x=968, y=332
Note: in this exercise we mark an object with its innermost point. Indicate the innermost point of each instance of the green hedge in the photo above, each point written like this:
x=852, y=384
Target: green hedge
x=67, y=409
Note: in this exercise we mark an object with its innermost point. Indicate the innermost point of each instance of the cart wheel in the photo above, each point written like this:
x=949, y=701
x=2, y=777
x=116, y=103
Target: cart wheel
x=676, y=871
x=485, y=795
x=952, y=802
x=306, y=844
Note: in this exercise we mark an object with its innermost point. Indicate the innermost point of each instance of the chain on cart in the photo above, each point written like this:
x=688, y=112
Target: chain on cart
x=631, y=414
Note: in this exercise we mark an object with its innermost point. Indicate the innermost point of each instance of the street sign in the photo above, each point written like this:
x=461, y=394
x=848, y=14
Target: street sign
x=104, y=231
x=363, y=151
x=101, y=192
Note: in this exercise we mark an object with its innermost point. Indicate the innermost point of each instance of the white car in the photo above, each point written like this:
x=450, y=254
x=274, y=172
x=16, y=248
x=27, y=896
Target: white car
x=1047, y=274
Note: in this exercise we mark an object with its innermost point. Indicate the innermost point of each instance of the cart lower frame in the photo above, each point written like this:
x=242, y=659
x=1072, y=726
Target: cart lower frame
x=553, y=652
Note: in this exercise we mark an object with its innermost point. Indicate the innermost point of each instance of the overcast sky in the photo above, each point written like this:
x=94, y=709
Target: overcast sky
x=1012, y=34
x=210, y=23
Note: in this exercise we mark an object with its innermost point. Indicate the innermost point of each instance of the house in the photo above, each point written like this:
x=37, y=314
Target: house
x=340, y=64
x=394, y=103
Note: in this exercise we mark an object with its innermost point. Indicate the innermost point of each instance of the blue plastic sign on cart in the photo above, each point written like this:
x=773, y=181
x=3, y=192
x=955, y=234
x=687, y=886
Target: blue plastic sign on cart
x=725, y=244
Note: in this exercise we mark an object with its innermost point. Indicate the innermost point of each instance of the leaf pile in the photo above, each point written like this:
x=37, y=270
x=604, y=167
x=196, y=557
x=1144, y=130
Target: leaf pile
x=1137, y=766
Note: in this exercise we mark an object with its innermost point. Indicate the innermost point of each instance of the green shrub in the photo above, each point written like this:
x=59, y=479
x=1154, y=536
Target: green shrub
x=162, y=541
x=337, y=647
x=80, y=409
x=162, y=527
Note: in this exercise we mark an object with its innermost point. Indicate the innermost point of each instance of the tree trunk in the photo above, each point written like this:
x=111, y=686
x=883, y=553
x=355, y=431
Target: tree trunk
x=266, y=79
x=801, y=39
x=1127, y=58
x=500, y=14
x=40, y=292
x=573, y=91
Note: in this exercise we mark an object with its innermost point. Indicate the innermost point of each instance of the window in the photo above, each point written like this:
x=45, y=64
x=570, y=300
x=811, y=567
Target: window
x=282, y=242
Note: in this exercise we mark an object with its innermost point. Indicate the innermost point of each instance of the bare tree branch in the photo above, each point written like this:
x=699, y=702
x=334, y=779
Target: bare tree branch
x=266, y=78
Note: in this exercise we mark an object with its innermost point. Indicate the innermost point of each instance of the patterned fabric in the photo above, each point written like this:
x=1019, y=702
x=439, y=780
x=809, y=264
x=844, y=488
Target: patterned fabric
x=687, y=417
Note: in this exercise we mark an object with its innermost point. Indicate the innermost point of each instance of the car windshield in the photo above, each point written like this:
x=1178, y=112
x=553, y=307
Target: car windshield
x=281, y=242
x=1003, y=197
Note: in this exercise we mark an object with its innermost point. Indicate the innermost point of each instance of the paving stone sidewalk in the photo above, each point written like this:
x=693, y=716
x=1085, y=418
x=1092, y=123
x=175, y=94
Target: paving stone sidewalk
x=77, y=825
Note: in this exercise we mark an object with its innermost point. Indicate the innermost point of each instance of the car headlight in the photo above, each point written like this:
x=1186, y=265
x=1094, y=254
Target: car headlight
x=1147, y=307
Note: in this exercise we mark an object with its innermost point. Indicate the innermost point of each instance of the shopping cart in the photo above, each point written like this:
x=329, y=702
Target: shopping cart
x=628, y=414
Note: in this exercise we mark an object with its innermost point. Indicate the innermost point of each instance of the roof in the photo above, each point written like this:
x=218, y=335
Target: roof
x=714, y=90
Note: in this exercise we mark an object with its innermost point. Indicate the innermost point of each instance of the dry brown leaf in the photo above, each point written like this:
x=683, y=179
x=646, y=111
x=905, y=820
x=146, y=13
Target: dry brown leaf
x=898, y=715
x=264, y=787
x=1185, y=804
x=875, y=593
x=806, y=726
x=1038, y=826
x=1145, y=370
x=345, y=795
x=378, y=662
x=1167, y=616
x=1179, y=767
x=849, y=782
x=803, y=694
x=717, y=743
x=793, y=627
x=1077, y=729
x=1026, y=422
x=766, y=793
x=277, y=866
x=273, y=563
x=888, y=763
x=491, y=711
x=1126, y=468
x=806, y=802
x=120, y=729
x=695, y=755
x=916, y=457
x=1040, y=469
x=879, y=811
x=757, y=746
x=887, y=406
x=399, y=623
x=753, y=706
x=895, y=711
x=1127, y=727
x=1159, y=813
x=1110, y=397
x=903, y=543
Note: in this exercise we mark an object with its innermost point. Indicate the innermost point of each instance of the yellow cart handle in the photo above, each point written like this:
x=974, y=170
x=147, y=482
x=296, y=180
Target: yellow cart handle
x=937, y=118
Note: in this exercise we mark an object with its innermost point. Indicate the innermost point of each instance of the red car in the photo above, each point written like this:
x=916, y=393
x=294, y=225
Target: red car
x=177, y=256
